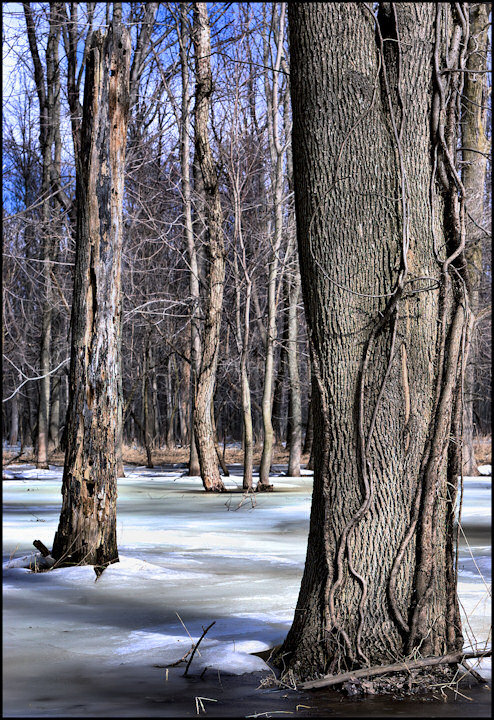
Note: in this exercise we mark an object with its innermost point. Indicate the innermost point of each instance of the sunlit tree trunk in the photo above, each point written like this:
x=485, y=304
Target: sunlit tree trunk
x=195, y=336
x=215, y=256
x=475, y=151
x=386, y=317
x=48, y=91
x=87, y=528
x=276, y=151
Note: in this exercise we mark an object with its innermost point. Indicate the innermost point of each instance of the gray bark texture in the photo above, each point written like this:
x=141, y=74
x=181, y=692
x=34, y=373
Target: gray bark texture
x=87, y=529
x=379, y=579
x=195, y=333
x=215, y=257
x=48, y=91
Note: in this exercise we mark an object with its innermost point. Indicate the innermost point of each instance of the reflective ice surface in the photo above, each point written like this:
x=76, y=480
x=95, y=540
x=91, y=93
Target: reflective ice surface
x=76, y=646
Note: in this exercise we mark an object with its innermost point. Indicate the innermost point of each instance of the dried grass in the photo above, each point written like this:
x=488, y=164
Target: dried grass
x=133, y=455
x=482, y=446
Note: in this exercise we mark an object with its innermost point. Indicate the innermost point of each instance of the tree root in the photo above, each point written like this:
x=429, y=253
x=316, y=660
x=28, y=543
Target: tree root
x=451, y=659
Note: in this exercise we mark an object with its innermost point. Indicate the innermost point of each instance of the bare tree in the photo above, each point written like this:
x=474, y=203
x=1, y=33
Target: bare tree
x=87, y=528
x=215, y=252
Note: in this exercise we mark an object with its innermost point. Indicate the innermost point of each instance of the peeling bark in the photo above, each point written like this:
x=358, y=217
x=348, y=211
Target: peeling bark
x=215, y=256
x=87, y=528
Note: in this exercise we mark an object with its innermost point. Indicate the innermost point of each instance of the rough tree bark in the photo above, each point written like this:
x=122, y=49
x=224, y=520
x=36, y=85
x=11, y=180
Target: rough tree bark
x=386, y=312
x=215, y=256
x=475, y=151
x=195, y=334
x=87, y=528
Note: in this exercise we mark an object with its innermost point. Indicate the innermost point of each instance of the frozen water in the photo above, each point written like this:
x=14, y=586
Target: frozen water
x=186, y=558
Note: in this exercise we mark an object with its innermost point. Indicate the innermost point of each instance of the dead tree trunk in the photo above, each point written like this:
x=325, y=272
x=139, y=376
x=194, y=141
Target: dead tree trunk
x=215, y=256
x=87, y=528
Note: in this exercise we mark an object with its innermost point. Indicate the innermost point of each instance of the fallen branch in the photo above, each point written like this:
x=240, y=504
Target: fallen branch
x=473, y=672
x=41, y=547
x=13, y=459
x=182, y=659
x=450, y=659
x=197, y=645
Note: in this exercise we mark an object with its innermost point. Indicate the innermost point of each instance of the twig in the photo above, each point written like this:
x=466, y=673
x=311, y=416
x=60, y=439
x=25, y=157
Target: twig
x=13, y=459
x=197, y=645
x=473, y=672
x=396, y=667
x=182, y=659
x=188, y=633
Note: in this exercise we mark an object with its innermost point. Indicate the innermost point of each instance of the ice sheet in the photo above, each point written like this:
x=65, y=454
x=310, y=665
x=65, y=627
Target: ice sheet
x=186, y=558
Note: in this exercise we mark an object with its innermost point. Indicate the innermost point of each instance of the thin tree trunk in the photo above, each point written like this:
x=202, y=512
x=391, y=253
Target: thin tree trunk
x=276, y=152
x=173, y=399
x=183, y=409
x=309, y=431
x=54, y=433
x=475, y=150
x=49, y=102
x=146, y=419
x=295, y=400
x=195, y=337
x=279, y=385
x=14, y=420
x=219, y=454
x=154, y=398
x=87, y=528
x=215, y=251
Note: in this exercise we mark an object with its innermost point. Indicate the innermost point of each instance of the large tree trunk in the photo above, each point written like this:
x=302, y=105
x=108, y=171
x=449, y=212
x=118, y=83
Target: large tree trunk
x=215, y=255
x=475, y=150
x=385, y=318
x=87, y=529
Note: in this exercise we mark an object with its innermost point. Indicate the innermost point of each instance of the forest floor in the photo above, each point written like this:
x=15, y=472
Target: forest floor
x=136, y=455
